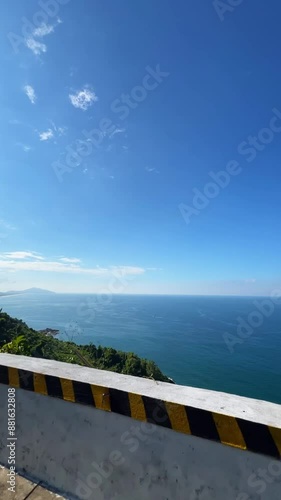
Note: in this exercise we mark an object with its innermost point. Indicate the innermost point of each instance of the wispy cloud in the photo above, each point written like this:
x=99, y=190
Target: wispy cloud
x=14, y=122
x=152, y=170
x=43, y=30
x=72, y=71
x=52, y=132
x=117, y=131
x=32, y=42
x=36, y=47
x=24, y=147
x=70, y=260
x=30, y=92
x=83, y=98
x=46, y=136
x=154, y=269
x=5, y=225
x=32, y=261
x=21, y=255
x=58, y=130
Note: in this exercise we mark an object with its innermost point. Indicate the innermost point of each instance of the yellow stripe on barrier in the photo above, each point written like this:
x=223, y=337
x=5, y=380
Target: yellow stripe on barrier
x=101, y=397
x=229, y=431
x=40, y=384
x=14, y=379
x=276, y=435
x=67, y=390
x=178, y=417
x=137, y=407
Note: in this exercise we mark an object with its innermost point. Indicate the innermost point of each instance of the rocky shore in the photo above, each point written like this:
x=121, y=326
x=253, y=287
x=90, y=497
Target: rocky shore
x=49, y=332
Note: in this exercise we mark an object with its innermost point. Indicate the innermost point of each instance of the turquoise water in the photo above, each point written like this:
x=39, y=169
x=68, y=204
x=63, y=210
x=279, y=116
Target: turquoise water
x=184, y=335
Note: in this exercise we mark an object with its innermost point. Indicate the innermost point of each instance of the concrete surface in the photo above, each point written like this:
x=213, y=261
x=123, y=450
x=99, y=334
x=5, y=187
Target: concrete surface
x=96, y=455
x=25, y=489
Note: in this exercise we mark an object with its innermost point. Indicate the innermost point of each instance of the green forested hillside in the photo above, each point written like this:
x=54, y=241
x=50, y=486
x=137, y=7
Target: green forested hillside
x=17, y=338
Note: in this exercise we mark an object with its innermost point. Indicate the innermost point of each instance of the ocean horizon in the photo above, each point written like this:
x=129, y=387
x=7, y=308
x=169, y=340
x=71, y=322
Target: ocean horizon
x=223, y=343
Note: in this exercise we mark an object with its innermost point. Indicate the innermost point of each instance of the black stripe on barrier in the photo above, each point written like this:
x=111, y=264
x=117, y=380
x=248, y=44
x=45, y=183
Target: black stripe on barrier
x=119, y=402
x=4, y=375
x=83, y=393
x=202, y=423
x=26, y=380
x=258, y=438
x=156, y=412
x=54, y=386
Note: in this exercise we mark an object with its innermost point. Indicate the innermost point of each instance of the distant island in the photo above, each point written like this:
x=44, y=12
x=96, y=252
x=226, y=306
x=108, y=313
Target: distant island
x=17, y=338
x=27, y=292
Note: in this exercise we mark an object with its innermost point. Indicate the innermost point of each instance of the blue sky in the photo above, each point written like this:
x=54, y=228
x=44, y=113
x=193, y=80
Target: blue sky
x=113, y=115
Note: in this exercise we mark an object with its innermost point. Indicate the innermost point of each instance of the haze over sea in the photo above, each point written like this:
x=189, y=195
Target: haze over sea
x=184, y=335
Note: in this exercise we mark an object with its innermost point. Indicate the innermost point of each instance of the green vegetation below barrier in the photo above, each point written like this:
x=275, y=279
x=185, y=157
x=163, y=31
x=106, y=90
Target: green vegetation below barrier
x=17, y=338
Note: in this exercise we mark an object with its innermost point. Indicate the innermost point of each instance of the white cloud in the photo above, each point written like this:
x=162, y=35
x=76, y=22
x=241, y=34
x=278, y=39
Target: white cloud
x=21, y=255
x=45, y=136
x=30, y=92
x=31, y=261
x=70, y=261
x=43, y=30
x=52, y=132
x=58, y=267
x=36, y=47
x=32, y=42
x=83, y=99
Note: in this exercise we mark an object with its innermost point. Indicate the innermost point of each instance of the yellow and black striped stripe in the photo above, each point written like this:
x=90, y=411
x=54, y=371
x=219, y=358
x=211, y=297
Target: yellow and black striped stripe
x=205, y=424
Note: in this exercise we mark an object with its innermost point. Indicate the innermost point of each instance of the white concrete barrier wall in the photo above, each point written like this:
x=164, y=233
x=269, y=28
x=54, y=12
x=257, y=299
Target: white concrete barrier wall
x=96, y=452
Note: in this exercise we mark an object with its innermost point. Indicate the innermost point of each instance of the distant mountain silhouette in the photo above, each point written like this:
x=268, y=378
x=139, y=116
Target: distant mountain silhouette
x=26, y=292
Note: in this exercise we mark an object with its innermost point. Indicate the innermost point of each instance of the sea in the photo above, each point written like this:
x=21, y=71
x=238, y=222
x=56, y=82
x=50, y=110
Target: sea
x=229, y=344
